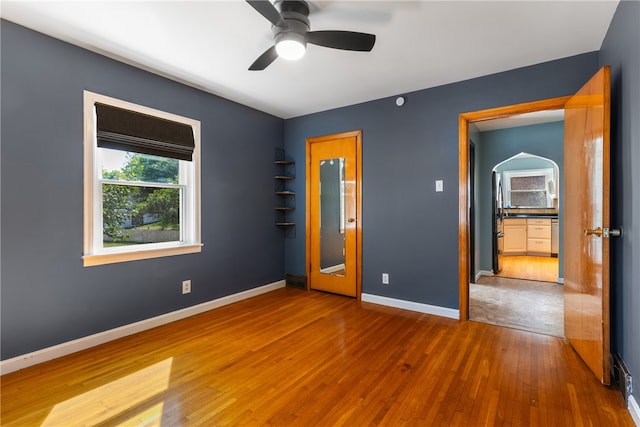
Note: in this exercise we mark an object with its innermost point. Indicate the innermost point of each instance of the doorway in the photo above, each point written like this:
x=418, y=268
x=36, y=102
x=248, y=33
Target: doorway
x=465, y=120
x=517, y=199
x=334, y=212
x=525, y=199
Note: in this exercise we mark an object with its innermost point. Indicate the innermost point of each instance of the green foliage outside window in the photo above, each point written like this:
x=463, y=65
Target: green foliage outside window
x=151, y=169
x=117, y=205
x=126, y=206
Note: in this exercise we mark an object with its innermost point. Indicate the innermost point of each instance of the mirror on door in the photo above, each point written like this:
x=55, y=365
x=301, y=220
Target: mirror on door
x=332, y=217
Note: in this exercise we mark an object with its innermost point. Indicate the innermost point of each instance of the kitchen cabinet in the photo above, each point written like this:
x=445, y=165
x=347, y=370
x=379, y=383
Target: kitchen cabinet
x=527, y=236
x=515, y=236
x=539, y=236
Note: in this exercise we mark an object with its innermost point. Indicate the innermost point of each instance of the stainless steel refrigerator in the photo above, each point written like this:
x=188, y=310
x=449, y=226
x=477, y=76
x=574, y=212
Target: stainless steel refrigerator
x=497, y=213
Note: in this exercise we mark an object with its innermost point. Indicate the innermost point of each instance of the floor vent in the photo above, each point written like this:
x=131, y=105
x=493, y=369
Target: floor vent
x=295, y=281
x=622, y=378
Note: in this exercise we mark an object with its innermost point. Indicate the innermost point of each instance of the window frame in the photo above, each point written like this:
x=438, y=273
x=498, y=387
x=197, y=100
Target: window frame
x=94, y=253
x=548, y=173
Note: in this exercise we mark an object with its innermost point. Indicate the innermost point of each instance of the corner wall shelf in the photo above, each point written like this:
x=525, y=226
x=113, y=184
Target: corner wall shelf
x=284, y=177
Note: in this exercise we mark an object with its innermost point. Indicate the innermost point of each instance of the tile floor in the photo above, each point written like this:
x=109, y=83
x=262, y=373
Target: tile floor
x=519, y=304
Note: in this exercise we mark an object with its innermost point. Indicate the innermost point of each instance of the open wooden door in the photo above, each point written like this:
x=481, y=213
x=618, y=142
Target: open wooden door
x=587, y=228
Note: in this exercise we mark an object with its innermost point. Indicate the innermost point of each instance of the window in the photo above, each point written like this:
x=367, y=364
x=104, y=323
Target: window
x=141, y=182
x=531, y=188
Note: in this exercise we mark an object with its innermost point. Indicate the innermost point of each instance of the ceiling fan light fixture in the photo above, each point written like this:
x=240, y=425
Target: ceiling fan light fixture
x=291, y=46
x=291, y=33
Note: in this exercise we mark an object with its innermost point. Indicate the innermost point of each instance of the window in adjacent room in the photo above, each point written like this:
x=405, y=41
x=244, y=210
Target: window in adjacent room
x=142, y=182
x=531, y=188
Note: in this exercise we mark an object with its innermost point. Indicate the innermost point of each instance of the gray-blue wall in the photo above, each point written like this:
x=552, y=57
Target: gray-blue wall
x=47, y=296
x=621, y=50
x=409, y=230
x=492, y=147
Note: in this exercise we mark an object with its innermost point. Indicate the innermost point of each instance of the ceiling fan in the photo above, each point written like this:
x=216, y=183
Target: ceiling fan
x=290, y=26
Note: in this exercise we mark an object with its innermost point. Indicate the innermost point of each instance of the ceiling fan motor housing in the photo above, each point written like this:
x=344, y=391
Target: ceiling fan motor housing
x=296, y=14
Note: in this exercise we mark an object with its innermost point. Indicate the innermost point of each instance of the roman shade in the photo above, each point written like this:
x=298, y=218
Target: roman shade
x=127, y=130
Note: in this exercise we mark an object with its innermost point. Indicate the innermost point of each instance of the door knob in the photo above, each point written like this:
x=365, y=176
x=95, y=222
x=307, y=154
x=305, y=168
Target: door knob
x=603, y=232
x=589, y=231
x=351, y=220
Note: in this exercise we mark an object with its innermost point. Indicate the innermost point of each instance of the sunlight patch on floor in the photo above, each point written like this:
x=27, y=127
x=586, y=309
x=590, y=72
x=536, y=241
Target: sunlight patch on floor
x=148, y=418
x=114, y=398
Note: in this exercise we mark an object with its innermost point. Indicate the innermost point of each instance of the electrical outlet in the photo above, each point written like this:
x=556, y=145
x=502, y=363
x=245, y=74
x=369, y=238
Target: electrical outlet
x=186, y=286
x=385, y=278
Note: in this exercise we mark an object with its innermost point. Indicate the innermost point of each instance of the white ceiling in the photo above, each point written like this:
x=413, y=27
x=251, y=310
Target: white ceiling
x=420, y=44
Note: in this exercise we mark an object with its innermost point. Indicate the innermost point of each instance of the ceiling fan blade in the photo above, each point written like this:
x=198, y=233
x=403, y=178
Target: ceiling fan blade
x=345, y=40
x=268, y=10
x=264, y=60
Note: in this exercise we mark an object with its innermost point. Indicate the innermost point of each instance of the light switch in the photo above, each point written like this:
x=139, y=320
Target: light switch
x=439, y=186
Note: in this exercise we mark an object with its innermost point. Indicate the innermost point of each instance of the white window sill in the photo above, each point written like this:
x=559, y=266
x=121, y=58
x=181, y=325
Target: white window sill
x=115, y=257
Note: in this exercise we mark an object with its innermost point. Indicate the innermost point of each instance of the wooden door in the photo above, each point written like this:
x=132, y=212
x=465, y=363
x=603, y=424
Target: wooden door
x=333, y=188
x=586, y=252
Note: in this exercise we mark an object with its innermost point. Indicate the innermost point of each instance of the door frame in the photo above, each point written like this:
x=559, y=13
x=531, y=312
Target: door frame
x=358, y=256
x=463, y=181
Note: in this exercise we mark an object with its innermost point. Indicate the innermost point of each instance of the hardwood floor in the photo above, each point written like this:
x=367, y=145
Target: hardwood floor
x=544, y=269
x=292, y=357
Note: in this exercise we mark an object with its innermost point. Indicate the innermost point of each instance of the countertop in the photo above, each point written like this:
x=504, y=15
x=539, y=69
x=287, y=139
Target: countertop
x=532, y=215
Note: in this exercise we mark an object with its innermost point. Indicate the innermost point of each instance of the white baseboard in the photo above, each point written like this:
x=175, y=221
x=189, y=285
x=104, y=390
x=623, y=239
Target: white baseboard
x=413, y=306
x=560, y=280
x=53, y=352
x=634, y=409
x=483, y=273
